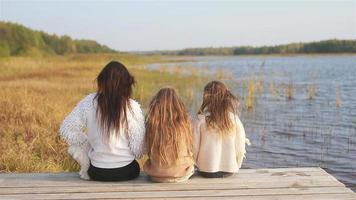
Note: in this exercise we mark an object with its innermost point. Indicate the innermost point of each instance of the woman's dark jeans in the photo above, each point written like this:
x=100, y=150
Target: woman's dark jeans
x=128, y=172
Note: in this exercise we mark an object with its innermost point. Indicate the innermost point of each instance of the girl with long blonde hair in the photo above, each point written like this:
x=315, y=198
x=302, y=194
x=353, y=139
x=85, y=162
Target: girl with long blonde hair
x=219, y=136
x=168, y=139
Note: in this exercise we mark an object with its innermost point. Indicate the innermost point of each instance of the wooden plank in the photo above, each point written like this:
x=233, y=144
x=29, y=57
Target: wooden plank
x=142, y=179
x=252, y=182
x=167, y=187
x=280, y=197
x=285, y=183
x=73, y=180
x=315, y=192
x=242, y=171
x=262, y=173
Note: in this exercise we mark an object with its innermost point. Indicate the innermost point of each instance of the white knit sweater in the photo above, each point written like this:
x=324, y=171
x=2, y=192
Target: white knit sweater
x=81, y=127
x=212, y=152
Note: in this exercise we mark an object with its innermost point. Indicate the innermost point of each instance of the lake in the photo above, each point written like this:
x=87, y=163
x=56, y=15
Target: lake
x=303, y=113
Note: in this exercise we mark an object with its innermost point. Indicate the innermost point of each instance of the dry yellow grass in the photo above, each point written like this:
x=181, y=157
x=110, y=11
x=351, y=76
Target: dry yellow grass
x=37, y=93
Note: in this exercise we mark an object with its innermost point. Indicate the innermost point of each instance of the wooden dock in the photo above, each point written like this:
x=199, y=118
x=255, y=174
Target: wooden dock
x=252, y=184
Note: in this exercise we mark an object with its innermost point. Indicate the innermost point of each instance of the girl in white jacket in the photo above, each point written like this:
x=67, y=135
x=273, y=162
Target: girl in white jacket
x=105, y=131
x=219, y=136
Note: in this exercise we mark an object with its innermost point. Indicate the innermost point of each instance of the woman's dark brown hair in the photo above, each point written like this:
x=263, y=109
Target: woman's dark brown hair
x=113, y=95
x=219, y=102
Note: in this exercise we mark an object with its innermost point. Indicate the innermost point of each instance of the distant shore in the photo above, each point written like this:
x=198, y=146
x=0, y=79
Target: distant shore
x=317, y=47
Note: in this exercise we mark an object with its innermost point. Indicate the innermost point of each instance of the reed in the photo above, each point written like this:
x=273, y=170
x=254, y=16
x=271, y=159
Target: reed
x=220, y=74
x=290, y=91
x=338, y=97
x=250, y=97
x=260, y=86
x=311, y=90
x=273, y=90
x=163, y=69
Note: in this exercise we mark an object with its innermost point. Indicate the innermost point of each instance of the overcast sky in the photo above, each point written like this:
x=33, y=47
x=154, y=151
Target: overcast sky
x=158, y=25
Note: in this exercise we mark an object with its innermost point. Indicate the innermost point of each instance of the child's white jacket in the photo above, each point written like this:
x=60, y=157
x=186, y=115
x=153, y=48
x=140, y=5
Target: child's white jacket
x=213, y=152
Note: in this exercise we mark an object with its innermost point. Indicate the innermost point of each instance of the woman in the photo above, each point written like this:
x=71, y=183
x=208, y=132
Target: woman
x=219, y=136
x=115, y=129
x=168, y=138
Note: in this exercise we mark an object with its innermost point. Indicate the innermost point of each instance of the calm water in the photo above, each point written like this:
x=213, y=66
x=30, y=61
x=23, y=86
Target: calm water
x=300, y=132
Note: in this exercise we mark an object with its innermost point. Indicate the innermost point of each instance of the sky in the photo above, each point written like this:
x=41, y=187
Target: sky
x=166, y=25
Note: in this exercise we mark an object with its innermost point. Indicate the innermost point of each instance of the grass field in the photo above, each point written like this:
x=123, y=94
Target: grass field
x=37, y=93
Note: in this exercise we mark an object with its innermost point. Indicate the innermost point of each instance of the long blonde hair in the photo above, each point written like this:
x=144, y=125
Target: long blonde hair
x=218, y=103
x=168, y=126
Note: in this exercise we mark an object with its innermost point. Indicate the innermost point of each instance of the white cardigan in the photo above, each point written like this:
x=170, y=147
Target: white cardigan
x=214, y=153
x=118, y=151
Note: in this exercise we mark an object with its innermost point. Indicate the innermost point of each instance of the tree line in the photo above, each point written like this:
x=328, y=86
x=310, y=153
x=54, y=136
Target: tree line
x=325, y=46
x=18, y=40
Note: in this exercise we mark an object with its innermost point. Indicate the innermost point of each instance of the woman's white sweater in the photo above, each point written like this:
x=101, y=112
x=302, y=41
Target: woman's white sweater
x=213, y=152
x=81, y=127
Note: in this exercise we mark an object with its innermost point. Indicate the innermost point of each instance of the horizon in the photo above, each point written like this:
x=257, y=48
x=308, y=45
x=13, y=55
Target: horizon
x=166, y=30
